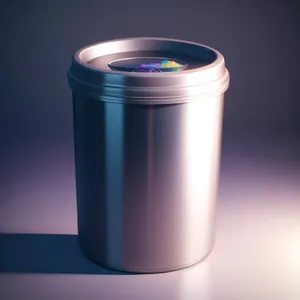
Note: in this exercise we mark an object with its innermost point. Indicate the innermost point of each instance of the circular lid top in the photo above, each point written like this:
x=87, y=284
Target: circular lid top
x=148, y=71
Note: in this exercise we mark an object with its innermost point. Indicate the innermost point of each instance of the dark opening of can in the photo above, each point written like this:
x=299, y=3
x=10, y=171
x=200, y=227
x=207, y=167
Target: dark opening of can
x=148, y=64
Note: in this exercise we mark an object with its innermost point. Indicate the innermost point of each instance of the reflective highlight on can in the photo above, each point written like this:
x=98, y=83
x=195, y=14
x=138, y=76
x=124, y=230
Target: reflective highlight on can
x=147, y=152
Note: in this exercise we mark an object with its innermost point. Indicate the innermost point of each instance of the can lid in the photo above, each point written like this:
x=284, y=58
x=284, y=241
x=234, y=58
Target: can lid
x=148, y=71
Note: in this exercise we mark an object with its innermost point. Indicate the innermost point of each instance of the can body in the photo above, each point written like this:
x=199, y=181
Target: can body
x=147, y=129
x=147, y=179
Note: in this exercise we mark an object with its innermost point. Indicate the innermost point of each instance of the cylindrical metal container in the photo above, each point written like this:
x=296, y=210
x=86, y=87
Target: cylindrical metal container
x=147, y=124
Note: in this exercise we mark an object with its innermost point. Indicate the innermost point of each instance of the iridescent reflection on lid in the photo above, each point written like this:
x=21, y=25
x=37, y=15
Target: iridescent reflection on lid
x=147, y=64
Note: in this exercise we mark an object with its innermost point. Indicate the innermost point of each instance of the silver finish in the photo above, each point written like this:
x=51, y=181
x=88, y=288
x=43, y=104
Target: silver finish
x=147, y=175
x=205, y=77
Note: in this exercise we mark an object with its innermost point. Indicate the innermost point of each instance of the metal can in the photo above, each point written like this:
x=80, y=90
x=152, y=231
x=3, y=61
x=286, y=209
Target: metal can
x=147, y=128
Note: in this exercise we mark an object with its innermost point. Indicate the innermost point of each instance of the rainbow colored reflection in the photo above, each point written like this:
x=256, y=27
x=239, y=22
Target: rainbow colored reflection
x=164, y=64
x=147, y=64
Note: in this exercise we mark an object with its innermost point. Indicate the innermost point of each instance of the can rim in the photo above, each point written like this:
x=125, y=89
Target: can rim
x=110, y=85
x=78, y=56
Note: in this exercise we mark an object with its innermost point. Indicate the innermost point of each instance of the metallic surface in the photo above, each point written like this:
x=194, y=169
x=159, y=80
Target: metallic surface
x=147, y=175
x=98, y=81
x=147, y=180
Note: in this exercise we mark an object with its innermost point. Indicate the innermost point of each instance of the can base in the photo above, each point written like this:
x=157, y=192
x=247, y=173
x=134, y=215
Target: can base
x=145, y=271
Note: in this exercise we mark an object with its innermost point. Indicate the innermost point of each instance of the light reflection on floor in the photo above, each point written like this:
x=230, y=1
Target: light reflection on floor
x=256, y=255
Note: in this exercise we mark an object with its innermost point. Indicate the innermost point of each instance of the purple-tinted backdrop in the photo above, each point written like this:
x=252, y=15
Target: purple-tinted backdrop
x=260, y=41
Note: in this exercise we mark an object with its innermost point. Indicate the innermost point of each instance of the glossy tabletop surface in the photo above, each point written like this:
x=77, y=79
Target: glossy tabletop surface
x=256, y=255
